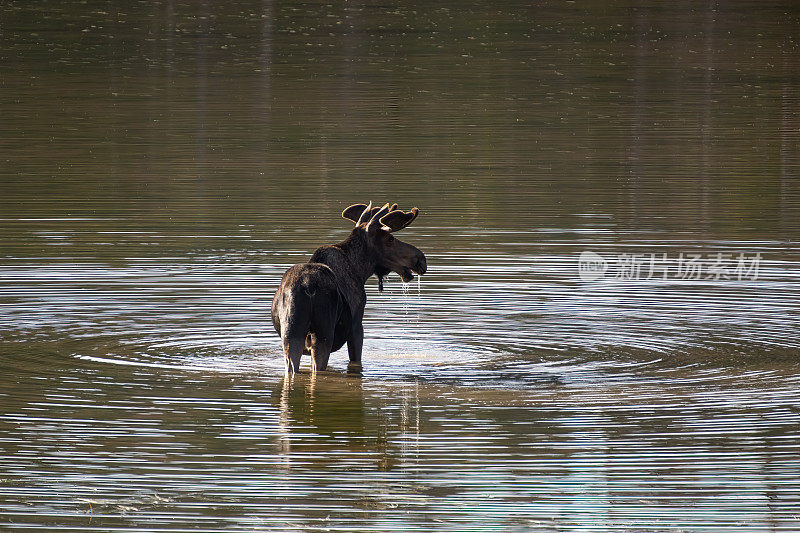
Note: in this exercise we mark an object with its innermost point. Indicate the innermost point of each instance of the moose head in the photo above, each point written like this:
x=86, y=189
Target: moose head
x=374, y=226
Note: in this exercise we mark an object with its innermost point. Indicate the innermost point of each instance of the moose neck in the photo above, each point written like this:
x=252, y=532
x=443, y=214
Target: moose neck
x=361, y=258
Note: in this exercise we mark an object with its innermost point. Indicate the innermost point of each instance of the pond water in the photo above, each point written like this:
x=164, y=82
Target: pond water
x=606, y=339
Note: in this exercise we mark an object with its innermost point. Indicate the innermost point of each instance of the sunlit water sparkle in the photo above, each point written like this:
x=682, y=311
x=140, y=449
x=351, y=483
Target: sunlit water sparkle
x=162, y=165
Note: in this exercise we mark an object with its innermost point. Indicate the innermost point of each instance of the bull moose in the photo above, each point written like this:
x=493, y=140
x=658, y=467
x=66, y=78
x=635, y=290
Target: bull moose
x=319, y=304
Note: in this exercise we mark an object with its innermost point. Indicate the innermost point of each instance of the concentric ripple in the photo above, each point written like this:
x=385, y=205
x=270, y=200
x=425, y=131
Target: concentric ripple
x=163, y=163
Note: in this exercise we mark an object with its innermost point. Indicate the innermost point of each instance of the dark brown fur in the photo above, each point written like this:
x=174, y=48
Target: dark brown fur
x=320, y=304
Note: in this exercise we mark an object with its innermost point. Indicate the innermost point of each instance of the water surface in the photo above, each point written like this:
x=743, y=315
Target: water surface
x=162, y=164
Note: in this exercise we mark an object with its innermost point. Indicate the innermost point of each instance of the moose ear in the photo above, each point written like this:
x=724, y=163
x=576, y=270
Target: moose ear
x=353, y=212
x=396, y=220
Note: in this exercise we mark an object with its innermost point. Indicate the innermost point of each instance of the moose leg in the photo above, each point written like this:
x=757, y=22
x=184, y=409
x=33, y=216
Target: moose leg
x=354, y=346
x=292, y=312
x=322, y=329
x=320, y=353
x=292, y=352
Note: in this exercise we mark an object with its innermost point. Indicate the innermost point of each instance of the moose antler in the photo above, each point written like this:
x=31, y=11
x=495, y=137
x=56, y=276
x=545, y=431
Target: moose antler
x=366, y=216
x=390, y=218
x=376, y=217
x=360, y=213
x=354, y=212
x=396, y=219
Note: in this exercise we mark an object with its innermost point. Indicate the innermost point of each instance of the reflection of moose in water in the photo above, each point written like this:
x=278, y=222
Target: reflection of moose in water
x=320, y=304
x=330, y=406
x=331, y=421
